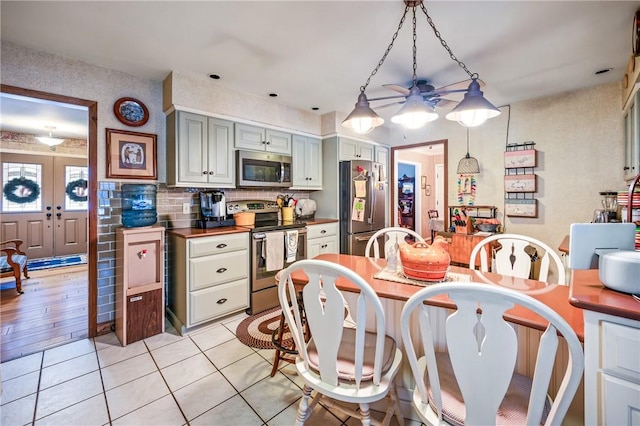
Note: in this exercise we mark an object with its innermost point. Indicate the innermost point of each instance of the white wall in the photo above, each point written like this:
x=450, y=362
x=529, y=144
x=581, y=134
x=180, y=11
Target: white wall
x=579, y=139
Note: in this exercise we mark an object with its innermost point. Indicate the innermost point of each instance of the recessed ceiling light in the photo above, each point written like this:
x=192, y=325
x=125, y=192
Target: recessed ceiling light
x=273, y=95
x=603, y=71
x=214, y=76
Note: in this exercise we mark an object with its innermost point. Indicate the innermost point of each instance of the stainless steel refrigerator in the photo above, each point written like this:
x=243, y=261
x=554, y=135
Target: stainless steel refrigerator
x=363, y=195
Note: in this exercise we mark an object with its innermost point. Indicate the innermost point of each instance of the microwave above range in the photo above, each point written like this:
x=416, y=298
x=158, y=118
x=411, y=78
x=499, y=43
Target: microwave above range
x=262, y=169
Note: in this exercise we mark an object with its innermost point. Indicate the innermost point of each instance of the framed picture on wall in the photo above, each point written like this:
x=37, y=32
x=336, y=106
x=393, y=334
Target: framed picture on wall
x=131, y=155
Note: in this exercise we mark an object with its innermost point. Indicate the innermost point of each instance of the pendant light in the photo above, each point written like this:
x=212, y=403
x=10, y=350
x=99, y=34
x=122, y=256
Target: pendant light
x=467, y=164
x=472, y=111
x=50, y=140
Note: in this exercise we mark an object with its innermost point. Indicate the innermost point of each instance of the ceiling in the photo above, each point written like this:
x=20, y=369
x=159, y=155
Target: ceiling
x=319, y=53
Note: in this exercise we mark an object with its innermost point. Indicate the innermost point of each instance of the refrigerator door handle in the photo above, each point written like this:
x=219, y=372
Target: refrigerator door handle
x=364, y=237
x=373, y=198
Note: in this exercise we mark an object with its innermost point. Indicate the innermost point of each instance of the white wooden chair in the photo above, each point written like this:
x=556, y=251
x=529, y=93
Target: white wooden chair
x=511, y=259
x=345, y=364
x=475, y=382
x=392, y=235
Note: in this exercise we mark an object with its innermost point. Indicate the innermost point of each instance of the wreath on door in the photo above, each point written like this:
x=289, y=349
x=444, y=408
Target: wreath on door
x=20, y=190
x=77, y=190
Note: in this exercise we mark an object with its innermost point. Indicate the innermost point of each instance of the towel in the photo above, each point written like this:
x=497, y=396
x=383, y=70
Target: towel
x=292, y=245
x=275, y=250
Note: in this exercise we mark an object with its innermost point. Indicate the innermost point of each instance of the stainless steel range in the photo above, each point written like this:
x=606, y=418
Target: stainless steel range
x=275, y=244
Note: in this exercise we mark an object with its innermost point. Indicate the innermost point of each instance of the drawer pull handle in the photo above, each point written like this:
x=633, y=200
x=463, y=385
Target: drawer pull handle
x=221, y=301
x=221, y=270
x=135, y=299
x=324, y=231
x=221, y=245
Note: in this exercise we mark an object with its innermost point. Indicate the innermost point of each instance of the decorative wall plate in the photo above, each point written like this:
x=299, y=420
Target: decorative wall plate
x=131, y=112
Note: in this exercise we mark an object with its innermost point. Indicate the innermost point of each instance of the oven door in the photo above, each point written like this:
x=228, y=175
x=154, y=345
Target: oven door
x=264, y=292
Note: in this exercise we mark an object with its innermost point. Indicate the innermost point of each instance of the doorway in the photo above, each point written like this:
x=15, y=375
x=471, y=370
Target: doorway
x=430, y=183
x=72, y=228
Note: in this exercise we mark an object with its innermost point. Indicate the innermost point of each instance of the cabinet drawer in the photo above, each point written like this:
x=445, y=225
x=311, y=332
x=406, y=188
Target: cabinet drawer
x=620, y=349
x=212, y=245
x=217, y=269
x=621, y=401
x=323, y=230
x=217, y=301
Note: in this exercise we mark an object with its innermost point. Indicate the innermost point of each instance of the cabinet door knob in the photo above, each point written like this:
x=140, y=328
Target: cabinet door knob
x=221, y=301
x=204, y=172
x=211, y=172
x=221, y=245
x=268, y=143
x=58, y=215
x=221, y=270
x=48, y=216
x=324, y=231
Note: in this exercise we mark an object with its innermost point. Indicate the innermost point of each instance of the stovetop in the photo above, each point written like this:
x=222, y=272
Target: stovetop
x=266, y=215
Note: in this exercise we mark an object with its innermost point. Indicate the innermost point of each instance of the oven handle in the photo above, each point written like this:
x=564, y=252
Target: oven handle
x=259, y=236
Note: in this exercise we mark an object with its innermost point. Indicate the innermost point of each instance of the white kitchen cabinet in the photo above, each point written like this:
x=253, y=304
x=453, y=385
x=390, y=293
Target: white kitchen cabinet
x=260, y=139
x=322, y=238
x=382, y=157
x=307, y=163
x=612, y=370
x=356, y=150
x=199, y=151
x=209, y=278
x=632, y=138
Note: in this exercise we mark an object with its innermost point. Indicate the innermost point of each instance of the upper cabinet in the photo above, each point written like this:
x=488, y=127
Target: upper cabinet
x=632, y=138
x=355, y=150
x=260, y=139
x=199, y=151
x=307, y=163
x=382, y=157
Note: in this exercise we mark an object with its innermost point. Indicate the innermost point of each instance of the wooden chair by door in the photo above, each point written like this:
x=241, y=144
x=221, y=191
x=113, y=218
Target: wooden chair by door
x=341, y=364
x=475, y=383
x=512, y=259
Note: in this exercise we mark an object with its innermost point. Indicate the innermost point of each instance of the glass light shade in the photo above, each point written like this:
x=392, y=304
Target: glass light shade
x=474, y=108
x=362, y=119
x=48, y=140
x=415, y=113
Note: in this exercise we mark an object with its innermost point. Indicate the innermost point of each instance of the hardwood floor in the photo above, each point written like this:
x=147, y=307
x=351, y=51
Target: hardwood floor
x=52, y=311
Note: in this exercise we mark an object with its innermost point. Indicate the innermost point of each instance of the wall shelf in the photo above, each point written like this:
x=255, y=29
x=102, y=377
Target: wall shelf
x=520, y=181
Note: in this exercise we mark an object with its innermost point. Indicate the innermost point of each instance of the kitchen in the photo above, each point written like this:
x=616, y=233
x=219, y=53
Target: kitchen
x=565, y=131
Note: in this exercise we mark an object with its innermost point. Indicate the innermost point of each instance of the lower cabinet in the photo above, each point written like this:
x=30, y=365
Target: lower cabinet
x=612, y=370
x=322, y=238
x=209, y=278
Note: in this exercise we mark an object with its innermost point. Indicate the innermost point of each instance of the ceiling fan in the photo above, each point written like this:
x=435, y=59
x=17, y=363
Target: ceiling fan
x=431, y=96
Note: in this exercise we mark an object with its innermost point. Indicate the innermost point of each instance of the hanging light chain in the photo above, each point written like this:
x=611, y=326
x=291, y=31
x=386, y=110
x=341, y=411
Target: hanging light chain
x=444, y=43
x=393, y=39
x=415, y=37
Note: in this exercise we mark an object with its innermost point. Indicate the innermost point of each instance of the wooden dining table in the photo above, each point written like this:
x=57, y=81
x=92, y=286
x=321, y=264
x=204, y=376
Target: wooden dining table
x=553, y=295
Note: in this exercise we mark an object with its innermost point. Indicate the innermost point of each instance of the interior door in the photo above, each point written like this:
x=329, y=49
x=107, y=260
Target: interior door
x=27, y=202
x=70, y=215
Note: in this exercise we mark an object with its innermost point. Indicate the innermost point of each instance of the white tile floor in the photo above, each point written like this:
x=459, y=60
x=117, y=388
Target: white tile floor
x=205, y=378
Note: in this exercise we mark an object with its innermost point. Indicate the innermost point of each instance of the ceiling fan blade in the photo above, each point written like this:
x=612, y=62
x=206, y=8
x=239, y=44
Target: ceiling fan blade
x=397, y=88
x=388, y=105
x=460, y=85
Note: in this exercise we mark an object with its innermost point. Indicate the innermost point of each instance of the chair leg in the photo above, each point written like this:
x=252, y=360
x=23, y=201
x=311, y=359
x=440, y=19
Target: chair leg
x=16, y=274
x=365, y=414
x=277, y=356
x=303, y=407
x=25, y=271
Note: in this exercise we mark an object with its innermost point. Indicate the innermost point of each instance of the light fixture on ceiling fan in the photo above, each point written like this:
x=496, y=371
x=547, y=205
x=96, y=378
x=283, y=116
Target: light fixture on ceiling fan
x=50, y=140
x=473, y=110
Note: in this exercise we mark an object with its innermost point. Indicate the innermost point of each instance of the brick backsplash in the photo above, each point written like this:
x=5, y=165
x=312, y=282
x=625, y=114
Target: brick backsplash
x=169, y=209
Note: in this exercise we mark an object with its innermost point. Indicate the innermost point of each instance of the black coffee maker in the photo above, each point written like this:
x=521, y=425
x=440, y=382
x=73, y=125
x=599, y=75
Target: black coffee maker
x=213, y=210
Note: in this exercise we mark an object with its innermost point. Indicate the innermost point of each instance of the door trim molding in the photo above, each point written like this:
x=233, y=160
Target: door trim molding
x=92, y=154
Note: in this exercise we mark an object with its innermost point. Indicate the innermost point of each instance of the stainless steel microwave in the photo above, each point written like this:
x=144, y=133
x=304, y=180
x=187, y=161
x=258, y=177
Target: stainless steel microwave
x=262, y=169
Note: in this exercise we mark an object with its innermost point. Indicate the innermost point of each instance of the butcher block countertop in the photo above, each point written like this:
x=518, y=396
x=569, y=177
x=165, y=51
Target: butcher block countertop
x=212, y=232
x=588, y=292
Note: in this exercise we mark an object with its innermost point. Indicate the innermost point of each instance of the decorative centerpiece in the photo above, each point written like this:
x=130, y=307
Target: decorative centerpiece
x=425, y=262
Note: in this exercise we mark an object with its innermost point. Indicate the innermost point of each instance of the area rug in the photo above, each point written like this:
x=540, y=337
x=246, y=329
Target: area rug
x=256, y=330
x=56, y=262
